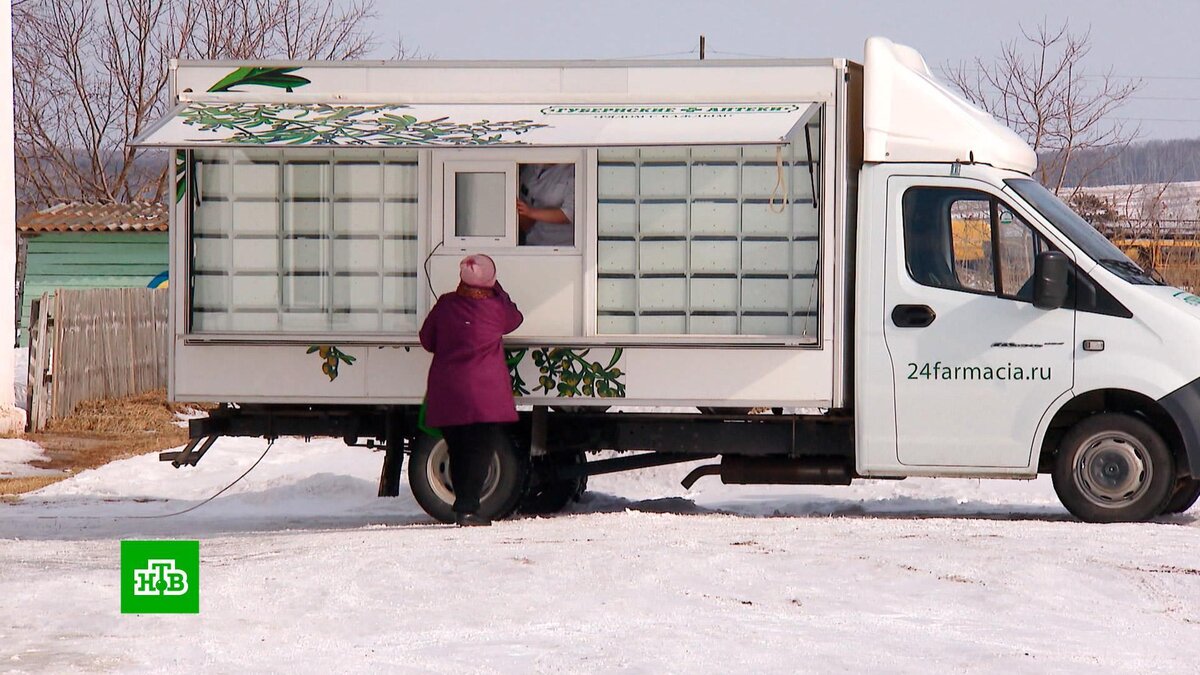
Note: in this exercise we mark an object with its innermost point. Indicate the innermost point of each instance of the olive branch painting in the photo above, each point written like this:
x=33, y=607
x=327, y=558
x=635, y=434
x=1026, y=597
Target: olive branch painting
x=326, y=124
x=567, y=373
x=332, y=357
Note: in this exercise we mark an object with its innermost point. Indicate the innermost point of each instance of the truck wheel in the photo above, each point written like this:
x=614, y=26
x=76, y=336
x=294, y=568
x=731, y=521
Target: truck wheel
x=546, y=496
x=429, y=478
x=1184, y=497
x=1113, y=468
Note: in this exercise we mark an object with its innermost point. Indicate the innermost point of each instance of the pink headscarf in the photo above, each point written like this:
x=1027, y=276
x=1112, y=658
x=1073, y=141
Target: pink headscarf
x=477, y=270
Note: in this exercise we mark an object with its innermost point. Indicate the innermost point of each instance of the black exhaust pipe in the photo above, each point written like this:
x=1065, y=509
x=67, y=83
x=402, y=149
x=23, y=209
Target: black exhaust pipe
x=738, y=470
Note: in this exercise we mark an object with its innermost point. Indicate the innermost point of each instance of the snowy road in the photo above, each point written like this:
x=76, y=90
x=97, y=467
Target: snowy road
x=303, y=569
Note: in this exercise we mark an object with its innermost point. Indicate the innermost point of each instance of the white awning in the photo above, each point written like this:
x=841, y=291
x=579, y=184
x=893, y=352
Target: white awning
x=239, y=124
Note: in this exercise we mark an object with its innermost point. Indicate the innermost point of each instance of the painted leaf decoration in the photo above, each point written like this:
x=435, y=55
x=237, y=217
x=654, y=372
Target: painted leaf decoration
x=267, y=77
x=180, y=175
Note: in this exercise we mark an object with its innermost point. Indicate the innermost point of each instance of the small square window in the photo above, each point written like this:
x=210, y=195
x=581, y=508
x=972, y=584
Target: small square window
x=479, y=204
x=479, y=198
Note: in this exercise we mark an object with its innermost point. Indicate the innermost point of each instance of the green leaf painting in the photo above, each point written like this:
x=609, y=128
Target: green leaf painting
x=266, y=77
x=325, y=124
x=332, y=357
x=568, y=373
x=514, y=357
x=180, y=175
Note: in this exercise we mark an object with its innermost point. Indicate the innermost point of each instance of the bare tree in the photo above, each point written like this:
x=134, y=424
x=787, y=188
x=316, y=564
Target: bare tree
x=290, y=29
x=1038, y=87
x=92, y=74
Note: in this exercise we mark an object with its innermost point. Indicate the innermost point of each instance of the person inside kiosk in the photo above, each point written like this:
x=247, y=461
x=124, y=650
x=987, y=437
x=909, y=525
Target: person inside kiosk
x=546, y=205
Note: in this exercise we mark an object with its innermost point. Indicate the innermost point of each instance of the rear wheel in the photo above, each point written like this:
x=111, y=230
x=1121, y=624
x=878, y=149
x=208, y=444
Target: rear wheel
x=1113, y=468
x=1185, y=495
x=545, y=495
x=429, y=478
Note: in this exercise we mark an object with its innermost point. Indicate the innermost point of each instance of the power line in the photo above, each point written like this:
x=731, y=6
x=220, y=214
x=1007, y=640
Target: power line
x=655, y=56
x=950, y=68
x=753, y=56
x=1164, y=98
x=1157, y=119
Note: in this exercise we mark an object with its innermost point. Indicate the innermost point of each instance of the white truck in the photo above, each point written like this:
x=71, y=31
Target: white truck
x=845, y=269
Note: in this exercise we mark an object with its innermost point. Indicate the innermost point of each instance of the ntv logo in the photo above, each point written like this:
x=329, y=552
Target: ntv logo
x=160, y=577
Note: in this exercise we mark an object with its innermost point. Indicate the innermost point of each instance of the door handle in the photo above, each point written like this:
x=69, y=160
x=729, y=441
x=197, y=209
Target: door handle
x=913, y=316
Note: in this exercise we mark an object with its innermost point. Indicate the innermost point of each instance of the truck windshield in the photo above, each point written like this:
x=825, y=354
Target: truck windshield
x=1080, y=232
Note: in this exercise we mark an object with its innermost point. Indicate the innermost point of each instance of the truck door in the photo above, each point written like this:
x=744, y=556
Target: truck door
x=975, y=364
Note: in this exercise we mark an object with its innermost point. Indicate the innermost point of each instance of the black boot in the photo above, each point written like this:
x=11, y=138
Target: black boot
x=471, y=520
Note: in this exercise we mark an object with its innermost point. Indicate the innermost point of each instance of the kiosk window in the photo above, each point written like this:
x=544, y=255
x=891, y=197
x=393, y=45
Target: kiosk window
x=303, y=241
x=709, y=240
x=546, y=204
x=500, y=203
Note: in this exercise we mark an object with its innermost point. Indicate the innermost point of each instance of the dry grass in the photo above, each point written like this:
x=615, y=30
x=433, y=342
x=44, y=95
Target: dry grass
x=1183, y=276
x=148, y=413
x=99, y=432
x=11, y=487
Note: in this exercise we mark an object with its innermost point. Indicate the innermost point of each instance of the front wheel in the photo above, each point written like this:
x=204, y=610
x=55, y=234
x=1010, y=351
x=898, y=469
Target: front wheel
x=429, y=478
x=1113, y=468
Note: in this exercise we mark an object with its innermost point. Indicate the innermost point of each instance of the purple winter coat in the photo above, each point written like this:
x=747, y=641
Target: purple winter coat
x=468, y=380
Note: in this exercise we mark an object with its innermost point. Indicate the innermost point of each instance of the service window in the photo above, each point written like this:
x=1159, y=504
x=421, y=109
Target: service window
x=546, y=204
x=968, y=240
x=709, y=240
x=303, y=241
x=503, y=203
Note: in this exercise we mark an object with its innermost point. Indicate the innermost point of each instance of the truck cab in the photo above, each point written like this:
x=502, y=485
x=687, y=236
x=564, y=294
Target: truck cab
x=997, y=332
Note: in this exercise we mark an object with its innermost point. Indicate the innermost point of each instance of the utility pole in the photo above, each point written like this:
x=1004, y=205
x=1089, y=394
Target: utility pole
x=701, y=47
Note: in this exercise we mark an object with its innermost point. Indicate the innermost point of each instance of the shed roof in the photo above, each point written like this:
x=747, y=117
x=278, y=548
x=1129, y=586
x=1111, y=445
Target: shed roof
x=91, y=217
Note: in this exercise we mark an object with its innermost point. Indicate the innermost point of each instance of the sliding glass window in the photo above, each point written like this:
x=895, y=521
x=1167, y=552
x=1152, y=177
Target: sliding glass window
x=713, y=240
x=303, y=241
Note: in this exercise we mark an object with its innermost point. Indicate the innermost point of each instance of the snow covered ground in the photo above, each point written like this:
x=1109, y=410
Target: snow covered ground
x=303, y=569
x=15, y=458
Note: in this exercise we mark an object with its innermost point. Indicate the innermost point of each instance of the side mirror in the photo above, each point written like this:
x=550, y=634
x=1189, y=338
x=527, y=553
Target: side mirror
x=1050, y=279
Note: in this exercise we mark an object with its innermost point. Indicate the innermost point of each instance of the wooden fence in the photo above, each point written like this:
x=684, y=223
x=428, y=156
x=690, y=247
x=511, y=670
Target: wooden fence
x=94, y=344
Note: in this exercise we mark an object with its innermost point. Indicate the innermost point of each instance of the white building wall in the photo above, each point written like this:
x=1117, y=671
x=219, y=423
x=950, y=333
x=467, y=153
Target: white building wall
x=11, y=419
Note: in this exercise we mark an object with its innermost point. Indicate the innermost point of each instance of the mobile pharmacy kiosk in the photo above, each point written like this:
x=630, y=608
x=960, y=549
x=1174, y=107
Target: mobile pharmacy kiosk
x=851, y=251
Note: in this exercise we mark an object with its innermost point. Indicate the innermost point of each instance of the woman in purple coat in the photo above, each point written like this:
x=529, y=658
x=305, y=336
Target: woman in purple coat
x=469, y=395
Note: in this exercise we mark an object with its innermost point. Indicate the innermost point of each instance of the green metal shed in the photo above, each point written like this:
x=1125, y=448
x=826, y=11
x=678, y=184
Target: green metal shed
x=80, y=245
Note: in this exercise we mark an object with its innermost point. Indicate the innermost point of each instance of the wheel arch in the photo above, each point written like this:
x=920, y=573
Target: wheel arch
x=1116, y=400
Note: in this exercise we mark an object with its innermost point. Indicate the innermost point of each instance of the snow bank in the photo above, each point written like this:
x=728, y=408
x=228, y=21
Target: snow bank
x=15, y=456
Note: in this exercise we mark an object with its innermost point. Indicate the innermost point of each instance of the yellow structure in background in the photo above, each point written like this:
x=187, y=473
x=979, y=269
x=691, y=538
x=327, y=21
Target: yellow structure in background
x=1177, y=259
x=972, y=238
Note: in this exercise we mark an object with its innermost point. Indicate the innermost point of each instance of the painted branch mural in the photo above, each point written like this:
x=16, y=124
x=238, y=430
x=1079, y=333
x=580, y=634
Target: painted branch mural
x=332, y=357
x=568, y=372
x=350, y=125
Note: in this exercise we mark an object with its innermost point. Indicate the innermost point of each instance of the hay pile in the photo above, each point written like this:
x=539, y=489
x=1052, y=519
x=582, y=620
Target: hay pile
x=148, y=413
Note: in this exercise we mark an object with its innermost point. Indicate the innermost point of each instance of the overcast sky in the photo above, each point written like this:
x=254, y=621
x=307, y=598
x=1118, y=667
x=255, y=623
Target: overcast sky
x=1156, y=40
